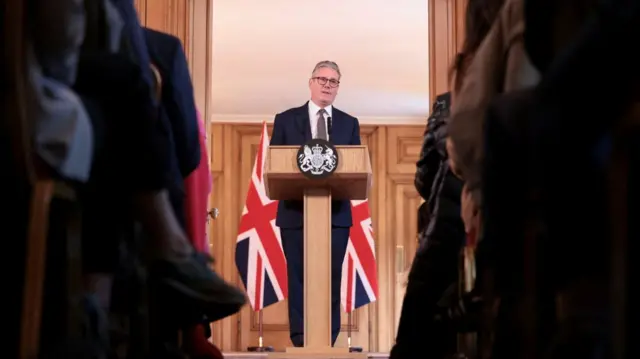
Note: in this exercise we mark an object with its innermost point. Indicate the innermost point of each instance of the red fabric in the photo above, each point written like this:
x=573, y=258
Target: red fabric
x=197, y=346
x=198, y=188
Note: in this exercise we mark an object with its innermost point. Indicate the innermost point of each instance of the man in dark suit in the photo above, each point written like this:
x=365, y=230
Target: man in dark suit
x=177, y=100
x=315, y=119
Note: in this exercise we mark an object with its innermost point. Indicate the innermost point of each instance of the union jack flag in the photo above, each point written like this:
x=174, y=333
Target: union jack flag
x=259, y=255
x=359, y=274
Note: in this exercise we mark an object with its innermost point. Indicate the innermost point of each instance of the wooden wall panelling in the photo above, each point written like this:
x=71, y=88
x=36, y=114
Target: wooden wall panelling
x=403, y=148
x=225, y=156
x=382, y=332
x=397, y=217
x=236, y=147
x=393, y=202
x=376, y=143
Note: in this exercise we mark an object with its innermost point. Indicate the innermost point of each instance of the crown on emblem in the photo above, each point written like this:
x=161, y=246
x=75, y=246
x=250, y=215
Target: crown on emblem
x=317, y=149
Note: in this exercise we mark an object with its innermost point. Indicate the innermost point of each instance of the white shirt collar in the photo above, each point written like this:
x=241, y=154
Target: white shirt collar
x=313, y=117
x=313, y=109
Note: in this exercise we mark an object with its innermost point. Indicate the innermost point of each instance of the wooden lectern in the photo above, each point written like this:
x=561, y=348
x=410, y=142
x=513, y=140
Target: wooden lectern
x=350, y=181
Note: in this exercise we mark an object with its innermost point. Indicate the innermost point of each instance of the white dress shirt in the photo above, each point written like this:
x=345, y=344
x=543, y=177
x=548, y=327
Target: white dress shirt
x=313, y=118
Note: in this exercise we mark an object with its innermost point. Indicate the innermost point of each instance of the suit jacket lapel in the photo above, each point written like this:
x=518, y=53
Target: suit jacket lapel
x=339, y=136
x=336, y=121
x=303, y=122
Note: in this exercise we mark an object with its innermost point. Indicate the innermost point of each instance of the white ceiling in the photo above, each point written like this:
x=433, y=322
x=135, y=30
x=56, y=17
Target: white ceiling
x=264, y=51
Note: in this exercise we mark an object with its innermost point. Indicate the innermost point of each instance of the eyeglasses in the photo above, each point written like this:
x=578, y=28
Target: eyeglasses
x=323, y=81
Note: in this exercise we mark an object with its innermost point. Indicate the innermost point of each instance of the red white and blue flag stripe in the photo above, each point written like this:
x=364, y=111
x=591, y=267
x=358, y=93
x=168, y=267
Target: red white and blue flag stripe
x=259, y=255
x=359, y=273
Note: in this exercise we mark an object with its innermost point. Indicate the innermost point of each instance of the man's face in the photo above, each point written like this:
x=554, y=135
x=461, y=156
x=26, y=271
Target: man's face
x=324, y=86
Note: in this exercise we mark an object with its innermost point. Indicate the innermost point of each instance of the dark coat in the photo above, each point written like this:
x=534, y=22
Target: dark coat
x=435, y=266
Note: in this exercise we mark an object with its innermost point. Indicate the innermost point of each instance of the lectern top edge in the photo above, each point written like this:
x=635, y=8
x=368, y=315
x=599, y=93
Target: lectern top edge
x=350, y=181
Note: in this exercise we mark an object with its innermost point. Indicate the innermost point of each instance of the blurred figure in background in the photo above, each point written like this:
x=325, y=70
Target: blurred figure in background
x=435, y=266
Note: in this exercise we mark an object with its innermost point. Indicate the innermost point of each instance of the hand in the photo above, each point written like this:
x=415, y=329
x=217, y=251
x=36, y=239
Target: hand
x=469, y=212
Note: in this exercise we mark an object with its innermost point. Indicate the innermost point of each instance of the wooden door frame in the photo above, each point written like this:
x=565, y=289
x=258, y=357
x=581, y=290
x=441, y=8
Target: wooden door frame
x=446, y=33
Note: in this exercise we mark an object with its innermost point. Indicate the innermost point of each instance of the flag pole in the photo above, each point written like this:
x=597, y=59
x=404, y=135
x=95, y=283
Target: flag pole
x=349, y=330
x=260, y=347
x=352, y=349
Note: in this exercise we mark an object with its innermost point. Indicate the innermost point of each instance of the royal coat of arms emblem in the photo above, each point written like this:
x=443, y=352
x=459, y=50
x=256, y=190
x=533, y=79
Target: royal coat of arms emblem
x=317, y=158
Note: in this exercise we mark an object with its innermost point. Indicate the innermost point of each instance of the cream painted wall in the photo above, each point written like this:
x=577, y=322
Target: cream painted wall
x=264, y=51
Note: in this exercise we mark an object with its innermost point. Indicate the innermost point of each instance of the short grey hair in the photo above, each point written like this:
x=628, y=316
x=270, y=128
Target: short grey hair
x=329, y=64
